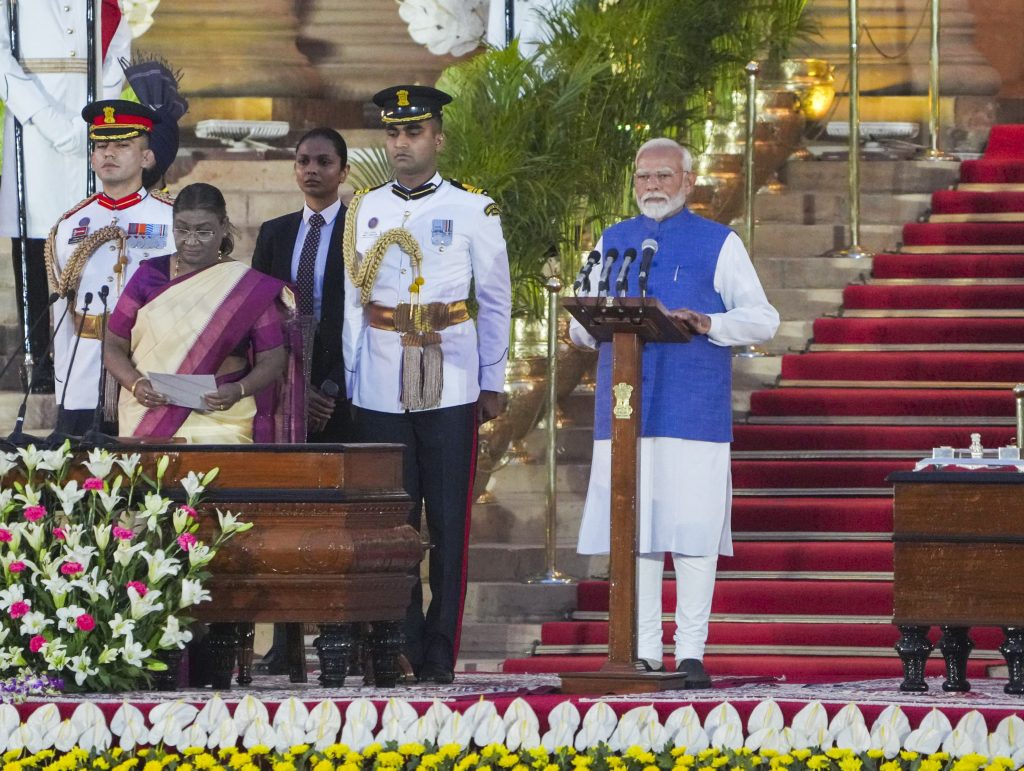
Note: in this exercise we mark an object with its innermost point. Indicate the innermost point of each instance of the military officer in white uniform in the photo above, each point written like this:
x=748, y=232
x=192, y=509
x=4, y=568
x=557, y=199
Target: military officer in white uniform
x=101, y=242
x=44, y=89
x=420, y=371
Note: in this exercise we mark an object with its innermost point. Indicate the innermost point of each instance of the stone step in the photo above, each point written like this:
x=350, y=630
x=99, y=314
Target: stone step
x=516, y=562
x=791, y=335
x=805, y=304
x=519, y=603
x=519, y=519
x=487, y=644
x=776, y=239
x=810, y=272
x=877, y=176
x=40, y=417
x=815, y=207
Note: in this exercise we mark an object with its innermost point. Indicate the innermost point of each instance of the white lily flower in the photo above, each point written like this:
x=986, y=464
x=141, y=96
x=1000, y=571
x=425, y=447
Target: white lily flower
x=10, y=595
x=133, y=653
x=192, y=485
x=173, y=636
x=81, y=665
x=192, y=593
x=142, y=606
x=522, y=735
x=33, y=623
x=30, y=457
x=66, y=618
x=691, y=736
x=55, y=653
x=4, y=634
x=728, y=736
x=34, y=535
x=93, y=586
x=248, y=710
x=125, y=553
x=126, y=715
x=199, y=555
x=68, y=496
x=108, y=655
x=100, y=462
x=213, y=713
x=121, y=626
x=29, y=496
x=261, y=732
x=229, y=523
x=110, y=500
x=925, y=740
x=128, y=463
x=13, y=657
x=160, y=566
x=63, y=737
x=456, y=730
x=58, y=588
x=766, y=715
x=8, y=462
x=102, y=536
x=359, y=711
x=54, y=460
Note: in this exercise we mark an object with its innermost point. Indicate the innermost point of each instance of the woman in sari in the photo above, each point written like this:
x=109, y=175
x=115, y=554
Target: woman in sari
x=198, y=312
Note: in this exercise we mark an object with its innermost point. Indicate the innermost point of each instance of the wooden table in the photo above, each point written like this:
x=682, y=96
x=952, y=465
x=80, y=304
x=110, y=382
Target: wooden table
x=958, y=555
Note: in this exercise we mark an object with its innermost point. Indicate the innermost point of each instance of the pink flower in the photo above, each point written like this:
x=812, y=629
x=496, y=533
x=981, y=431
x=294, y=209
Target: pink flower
x=17, y=566
x=186, y=541
x=5, y=535
x=190, y=511
x=36, y=643
x=19, y=609
x=71, y=568
x=93, y=483
x=138, y=586
x=123, y=533
x=35, y=513
x=85, y=622
x=60, y=533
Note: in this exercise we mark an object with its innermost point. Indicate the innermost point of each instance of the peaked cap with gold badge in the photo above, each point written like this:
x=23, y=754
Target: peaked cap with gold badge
x=408, y=104
x=111, y=119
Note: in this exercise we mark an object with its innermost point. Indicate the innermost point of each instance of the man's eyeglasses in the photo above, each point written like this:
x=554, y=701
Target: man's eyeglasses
x=202, y=236
x=643, y=177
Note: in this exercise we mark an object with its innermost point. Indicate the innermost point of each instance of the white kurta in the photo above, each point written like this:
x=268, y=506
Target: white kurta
x=152, y=241
x=48, y=104
x=685, y=486
x=463, y=248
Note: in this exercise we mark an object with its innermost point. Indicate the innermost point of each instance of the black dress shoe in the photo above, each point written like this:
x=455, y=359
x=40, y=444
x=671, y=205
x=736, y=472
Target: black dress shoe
x=437, y=674
x=696, y=677
x=650, y=665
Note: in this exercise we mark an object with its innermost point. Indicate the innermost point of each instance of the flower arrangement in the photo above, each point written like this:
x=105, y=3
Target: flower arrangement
x=98, y=575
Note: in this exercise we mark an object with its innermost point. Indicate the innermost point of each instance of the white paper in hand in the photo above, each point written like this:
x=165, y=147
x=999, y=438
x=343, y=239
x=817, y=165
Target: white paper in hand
x=183, y=390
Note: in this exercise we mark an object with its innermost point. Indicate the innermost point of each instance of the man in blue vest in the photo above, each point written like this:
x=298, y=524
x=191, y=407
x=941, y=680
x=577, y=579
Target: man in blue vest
x=703, y=275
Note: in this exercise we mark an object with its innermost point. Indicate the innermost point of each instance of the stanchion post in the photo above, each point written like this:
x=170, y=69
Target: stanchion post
x=551, y=574
x=854, y=250
x=933, y=153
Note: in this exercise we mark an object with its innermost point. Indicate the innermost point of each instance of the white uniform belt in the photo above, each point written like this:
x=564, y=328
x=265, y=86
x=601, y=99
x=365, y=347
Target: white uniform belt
x=51, y=66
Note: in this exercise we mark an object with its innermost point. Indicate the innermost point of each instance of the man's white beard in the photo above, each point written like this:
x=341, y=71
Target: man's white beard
x=658, y=207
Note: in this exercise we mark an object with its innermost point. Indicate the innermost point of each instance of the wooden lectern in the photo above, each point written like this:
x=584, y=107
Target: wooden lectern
x=628, y=323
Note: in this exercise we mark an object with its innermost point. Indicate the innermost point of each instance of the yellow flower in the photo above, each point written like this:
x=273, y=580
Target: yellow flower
x=185, y=767
x=520, y=767
x=818, y=762
x=930, y=765
x=259, y=749
x=876, y=754
x=705, y=754
x=851, y=763
x=650, y=768
x=296, y=749
x=412, y=749
x=781, y=761
x=153, y=765
x=324, y=765
x=908, y=755
x=13, y=766
x=284, y=765
x=720, y=761
x=371, y=749
x=205, y=760
x=581, y=761
x=639, y=755
x=390, y=758
x=101, y=764
x=189, y=751
x=891, y=765
x=144, y=752
x=246, y=767
x=802, y=754
x=550, y=767
x=509, y=760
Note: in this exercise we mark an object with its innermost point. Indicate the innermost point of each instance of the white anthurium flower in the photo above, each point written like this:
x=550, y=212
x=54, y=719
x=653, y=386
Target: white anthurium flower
x=519, y=710
x=134, y=734
x=565, y=714
x=126, y=716
x=66, y=618
x=490, y=730
x=424, y=730
x=167, y=731
x=456, y=730
x=99, y=462
x=192, y=484
x=24, y=737
x=68, y=496
x=597, y=727
x=294, y=712
x=781, y=741
x=559, y=735
x=1011, y=728
x=180, y=713
x=478, y=712
x=625, y=735
x=724, y=714
x=87, y=714
x=896, y=719
x=160, y=565
x=143, y=606
x=250, y=709
x=523, y=735
x=33, y=623
x=439, y=712
x=766, y=715
x=125, y=552
x=192, y=593
x=961, y=742
x=854, y=737
x=937, y=721
x=133, y=653
x=9, y=720
x=728, y=736
x=925, y=740
x=229, y=523
x=754, y=740
x=213, y=713
x=691, y=736
x=288, y=735
x=1017, y=759
x=886, y=737
x=325, y=721
x=390, y=731
x=261, y=732
x=193, y=736
x=654, y=736
x=173, y=636
x=361, y=712
x=128, y=463
x=681, y=717
x=200, y=555
x=356, y=737
x=81, y=665
x=998, y=747
x=225, y=734
x=44, y=719
x=63, y=737
x=973, y=723
x=844, y=718
x=8, y=462
x=399, y=710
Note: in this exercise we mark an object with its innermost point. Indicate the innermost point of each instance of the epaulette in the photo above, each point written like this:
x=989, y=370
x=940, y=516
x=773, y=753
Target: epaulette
x=78, y=206
x=163, y=196
x=468, y=188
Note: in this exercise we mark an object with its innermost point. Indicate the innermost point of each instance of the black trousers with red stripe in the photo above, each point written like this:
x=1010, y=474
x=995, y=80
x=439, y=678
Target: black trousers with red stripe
x=439, y=458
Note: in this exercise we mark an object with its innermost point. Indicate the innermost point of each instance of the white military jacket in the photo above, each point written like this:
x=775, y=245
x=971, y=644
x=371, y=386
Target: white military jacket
x=147, y=221
x=463, y=247
x=49, y=84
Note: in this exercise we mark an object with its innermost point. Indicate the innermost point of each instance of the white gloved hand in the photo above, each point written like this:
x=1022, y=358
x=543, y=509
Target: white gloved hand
x=62, y=129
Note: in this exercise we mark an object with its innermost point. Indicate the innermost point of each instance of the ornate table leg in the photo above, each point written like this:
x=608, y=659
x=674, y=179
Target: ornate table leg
x=334, y=646
x=913, y=648
x=356, y=666
x=295, y=652
x=386, y=641
x=246, y=637
x=223, y=643
x=1013, y=651
x=956, y=645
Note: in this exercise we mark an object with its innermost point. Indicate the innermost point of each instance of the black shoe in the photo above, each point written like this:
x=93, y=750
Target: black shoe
x=650, y=665
x=433, y=673
x=696, y=677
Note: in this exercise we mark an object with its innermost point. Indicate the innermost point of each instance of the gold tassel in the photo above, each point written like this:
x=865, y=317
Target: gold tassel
x=433, y=370
x=412, y=373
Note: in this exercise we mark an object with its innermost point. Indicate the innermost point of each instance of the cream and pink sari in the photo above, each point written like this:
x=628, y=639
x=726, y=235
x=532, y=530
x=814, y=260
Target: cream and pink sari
x=191, y=325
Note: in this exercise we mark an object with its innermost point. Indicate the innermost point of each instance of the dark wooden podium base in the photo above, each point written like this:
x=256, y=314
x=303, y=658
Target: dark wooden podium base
x=612, y=682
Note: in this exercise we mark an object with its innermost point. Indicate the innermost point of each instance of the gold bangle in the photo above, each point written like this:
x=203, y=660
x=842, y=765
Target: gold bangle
x=241, y=387
x=136, y=383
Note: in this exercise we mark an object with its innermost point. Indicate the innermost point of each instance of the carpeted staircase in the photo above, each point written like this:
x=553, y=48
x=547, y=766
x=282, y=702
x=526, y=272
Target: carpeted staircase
x=924, y=353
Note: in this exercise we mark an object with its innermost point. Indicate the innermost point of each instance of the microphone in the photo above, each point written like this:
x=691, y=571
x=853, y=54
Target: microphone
x=21, y=347
x=622, y=282
x=609, y=260
x=58, y=436
x=583, y=279
x=650, y=248
x=94, y=435
x=17, y=437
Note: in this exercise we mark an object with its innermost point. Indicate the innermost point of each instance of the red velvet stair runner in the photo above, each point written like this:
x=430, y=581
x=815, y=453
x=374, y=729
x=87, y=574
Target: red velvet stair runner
x=922, y=355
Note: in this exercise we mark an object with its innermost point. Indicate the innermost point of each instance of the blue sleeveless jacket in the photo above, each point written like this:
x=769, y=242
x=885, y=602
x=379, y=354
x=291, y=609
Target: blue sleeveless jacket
x=687, y=387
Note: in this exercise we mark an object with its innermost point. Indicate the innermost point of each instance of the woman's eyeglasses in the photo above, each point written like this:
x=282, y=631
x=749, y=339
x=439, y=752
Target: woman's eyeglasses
x=202, y=236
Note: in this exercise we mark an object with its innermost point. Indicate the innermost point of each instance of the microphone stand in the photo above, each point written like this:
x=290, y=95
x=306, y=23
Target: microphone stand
x=57, y=437
x=95, y=436
x=21, y=347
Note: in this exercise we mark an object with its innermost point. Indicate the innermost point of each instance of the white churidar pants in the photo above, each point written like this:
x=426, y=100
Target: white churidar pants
x=695, y=585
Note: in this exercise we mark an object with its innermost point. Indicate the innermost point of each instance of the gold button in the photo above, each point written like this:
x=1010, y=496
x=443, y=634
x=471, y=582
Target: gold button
x=72, y=53
x=110, y=278
x=67, y=9
x=70, y=31
x=404, y=271
x=440, y=248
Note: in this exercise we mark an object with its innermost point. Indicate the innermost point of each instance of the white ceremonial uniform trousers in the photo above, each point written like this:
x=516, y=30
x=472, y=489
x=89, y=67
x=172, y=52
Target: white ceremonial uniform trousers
x=695, y=585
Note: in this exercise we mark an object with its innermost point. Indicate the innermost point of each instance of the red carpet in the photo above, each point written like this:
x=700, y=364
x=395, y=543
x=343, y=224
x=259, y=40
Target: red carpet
x=808, y=593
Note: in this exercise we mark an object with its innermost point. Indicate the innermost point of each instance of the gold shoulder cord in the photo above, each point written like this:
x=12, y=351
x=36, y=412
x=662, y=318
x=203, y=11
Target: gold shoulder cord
x=364, y=273
x=71, y=276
